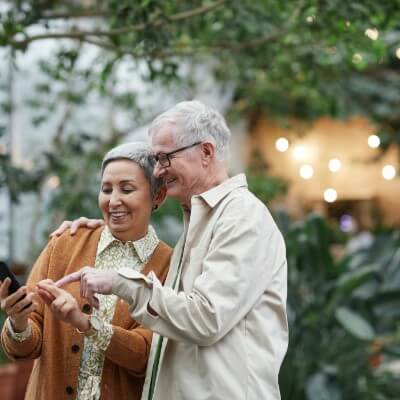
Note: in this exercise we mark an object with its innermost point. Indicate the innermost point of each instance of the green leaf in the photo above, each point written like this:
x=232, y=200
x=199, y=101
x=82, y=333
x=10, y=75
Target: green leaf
x=355, y=324
x=353, y=279
x=320, y=388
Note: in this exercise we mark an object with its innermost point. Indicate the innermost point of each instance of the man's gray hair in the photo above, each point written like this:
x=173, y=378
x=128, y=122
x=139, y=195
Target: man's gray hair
x=139, y=153
x=195, y=122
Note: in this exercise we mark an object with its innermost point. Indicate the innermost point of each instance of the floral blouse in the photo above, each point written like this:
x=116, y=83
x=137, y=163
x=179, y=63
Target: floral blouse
x=111, y=254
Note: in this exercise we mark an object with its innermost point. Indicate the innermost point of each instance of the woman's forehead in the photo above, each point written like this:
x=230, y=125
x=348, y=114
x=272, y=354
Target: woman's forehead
x=123, y=169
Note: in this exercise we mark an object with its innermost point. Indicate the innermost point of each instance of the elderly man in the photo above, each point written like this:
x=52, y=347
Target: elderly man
x=220, y=319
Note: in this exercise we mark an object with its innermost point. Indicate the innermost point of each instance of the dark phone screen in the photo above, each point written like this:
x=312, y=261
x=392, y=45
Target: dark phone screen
x=4, y=273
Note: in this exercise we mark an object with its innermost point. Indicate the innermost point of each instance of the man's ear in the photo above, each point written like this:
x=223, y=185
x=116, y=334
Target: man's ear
x=207, y=151
x=159, y=197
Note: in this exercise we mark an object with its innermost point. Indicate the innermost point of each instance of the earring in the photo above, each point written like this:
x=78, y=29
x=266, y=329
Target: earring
x=154, y=208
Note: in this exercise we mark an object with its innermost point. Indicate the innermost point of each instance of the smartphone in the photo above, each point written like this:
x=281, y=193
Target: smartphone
x=5, y=272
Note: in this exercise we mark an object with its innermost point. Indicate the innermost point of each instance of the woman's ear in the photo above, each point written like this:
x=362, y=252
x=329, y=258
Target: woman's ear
x=159, y=197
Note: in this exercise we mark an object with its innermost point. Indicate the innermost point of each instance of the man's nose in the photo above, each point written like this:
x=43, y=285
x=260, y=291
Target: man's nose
x=158, y=170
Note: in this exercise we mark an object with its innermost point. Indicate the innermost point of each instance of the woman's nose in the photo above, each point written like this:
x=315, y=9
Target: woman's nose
x=115, y=198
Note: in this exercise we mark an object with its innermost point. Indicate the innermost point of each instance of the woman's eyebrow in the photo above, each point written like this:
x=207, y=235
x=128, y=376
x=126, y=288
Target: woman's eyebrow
x=120, y=182
x=128, y=181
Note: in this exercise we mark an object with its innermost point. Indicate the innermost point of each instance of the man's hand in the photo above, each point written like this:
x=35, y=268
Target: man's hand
x=92, y=281
x=62, y=304
x=76, y=224
x=18, y=306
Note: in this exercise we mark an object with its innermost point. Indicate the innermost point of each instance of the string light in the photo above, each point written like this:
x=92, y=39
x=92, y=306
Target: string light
x=374, y=141
x=299, y=153
x=330, y=195
x=334, y=165
x=388, y=172
x=306, y=171
x=282, y=144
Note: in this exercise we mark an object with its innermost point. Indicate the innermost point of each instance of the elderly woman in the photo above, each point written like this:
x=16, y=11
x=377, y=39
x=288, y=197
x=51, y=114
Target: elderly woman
x=99, y=353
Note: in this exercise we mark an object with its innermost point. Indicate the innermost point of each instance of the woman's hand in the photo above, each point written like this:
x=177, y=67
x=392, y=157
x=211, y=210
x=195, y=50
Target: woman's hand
x=76, y=224
x=18, y=306
x=62, y=304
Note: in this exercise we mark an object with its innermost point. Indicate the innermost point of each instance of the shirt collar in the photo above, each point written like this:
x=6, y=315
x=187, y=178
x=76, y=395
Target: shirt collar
x=217, y=193
x=144, y=247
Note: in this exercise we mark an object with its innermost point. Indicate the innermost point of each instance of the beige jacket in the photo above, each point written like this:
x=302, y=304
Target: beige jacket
x=226, y=324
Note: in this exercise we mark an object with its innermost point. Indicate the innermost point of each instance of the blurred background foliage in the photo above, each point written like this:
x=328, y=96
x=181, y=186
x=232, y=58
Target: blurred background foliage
x=294, y=58
x=298, y=58
x=343, y=315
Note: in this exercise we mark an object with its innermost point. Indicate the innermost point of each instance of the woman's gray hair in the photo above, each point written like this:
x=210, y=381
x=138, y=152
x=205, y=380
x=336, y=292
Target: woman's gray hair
x=139, y=153
x=195, y=122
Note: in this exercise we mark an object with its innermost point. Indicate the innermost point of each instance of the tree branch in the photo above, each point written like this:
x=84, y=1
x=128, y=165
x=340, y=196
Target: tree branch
x=78, y=14
x=82, y=34
x=178, y=51
x=268, y=38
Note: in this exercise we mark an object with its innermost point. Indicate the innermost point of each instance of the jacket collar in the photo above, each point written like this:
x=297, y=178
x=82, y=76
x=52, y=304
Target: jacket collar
x=214, y=195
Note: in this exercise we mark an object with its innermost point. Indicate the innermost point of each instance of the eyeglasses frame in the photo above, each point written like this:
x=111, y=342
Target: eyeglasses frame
x=156, y=157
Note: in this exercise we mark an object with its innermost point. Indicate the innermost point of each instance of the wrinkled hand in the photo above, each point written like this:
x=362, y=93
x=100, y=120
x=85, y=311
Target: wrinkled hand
x=62, y=304
x=92, y=281
x=18, y=306
x=76, y=224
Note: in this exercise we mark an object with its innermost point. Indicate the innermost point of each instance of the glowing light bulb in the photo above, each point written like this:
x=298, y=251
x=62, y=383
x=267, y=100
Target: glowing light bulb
x=330, y=195
x=306, y=171
x=334, y=165
x=282, y=144
x=388, y=172
x=299, y=153
x=374, y=141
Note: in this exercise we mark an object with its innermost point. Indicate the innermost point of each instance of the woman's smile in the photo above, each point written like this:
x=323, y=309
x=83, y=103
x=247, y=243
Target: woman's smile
x=118, y=214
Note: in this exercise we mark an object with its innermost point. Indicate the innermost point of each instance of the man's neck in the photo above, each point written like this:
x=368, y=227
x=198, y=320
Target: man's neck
x=211, y=181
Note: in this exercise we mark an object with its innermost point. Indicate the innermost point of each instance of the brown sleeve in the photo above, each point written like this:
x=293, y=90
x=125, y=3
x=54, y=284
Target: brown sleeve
x=32, y=346
x=130, y=349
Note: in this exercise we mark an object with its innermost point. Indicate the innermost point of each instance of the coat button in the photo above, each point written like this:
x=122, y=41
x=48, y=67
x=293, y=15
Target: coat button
x=86, y=308
x=75, y=348
x=69, y=390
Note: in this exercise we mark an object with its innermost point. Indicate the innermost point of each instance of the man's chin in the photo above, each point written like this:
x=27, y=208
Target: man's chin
x=173, y=192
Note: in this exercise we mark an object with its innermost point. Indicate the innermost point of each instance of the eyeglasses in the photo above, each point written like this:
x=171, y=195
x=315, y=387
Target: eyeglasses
x=164, y=158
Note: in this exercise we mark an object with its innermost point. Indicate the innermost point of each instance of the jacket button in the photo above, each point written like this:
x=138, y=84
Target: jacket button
x=75, y=348
x=69, y=390
x=86, y=308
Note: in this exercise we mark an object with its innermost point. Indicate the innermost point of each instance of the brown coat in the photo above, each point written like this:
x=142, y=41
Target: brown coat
x=57, y=346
